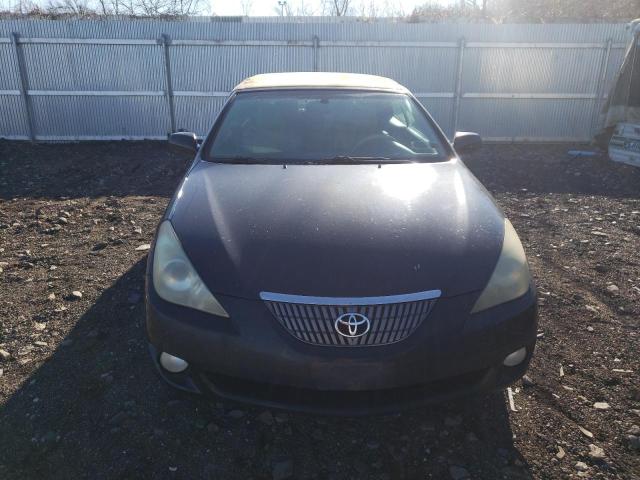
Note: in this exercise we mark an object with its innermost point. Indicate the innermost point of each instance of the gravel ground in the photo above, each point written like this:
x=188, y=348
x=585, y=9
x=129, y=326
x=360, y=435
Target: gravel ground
x=79, y=397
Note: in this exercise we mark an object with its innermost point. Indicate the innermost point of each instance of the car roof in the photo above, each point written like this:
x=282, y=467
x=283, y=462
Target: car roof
x=310, y=80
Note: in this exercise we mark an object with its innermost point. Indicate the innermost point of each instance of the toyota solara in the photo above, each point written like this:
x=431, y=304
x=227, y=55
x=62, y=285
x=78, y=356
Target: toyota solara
x=328, y=251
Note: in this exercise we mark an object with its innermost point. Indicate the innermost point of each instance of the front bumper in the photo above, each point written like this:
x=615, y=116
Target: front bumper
x=249, y=357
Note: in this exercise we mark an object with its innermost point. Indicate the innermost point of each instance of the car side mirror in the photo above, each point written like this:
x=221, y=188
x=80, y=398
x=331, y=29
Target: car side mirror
x=184, y=141
x=465, y=142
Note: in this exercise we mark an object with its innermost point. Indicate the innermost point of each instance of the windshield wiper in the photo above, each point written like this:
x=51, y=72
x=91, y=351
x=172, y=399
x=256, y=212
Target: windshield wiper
x=338, y=160
x=353, y=159
x=237, y=159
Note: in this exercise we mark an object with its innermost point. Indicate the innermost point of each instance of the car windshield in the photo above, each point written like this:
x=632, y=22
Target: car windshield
x=324, y=126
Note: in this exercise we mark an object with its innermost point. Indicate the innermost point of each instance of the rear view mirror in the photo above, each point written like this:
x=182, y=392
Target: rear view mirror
x=184, y=141
x=464, y=142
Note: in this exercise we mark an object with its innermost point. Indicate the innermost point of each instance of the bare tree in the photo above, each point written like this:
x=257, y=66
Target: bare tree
x=75, y=7
x=381, y=9
x=188, y=7
x=302, y=8
x=571, y=10
x=529, y=10
x=5, y=6
x=336, y=8
x=246, y=6
x=104, y=7
x=152, y=8
x=112, y=7
x=341, y=7
x=163, y=8
x=92, y=8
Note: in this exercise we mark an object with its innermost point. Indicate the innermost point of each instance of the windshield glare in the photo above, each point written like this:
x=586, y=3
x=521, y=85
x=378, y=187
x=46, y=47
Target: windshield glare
x=307, y=126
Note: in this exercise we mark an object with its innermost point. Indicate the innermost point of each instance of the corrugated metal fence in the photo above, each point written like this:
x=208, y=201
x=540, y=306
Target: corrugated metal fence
x=135, y=79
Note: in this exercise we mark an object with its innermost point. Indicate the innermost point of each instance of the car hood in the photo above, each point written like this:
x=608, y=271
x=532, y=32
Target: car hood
x=338, y=230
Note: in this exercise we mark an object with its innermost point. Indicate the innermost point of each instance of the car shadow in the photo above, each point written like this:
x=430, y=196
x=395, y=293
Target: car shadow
x=97, y=408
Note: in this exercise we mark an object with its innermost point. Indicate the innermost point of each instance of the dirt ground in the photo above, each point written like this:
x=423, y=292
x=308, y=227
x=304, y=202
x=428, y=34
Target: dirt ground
x=79, y=397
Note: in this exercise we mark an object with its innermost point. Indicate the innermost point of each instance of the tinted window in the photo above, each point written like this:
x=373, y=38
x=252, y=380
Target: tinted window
x=302, y=126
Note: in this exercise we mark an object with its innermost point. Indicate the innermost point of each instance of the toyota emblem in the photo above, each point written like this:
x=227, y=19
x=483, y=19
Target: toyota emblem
x=352, y=325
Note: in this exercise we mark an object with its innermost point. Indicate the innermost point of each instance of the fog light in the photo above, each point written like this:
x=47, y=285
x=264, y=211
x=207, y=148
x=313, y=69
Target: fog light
x=515, y=358
x=172, y=364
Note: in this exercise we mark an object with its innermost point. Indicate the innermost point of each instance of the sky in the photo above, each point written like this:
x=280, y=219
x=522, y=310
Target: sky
x=270, y=7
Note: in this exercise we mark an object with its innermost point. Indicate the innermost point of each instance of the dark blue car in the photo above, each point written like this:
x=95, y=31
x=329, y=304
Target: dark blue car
x=328, y=251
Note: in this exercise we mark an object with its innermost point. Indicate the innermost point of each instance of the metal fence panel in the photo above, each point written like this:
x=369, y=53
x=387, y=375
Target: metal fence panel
x=13, y=122
x=531, y=70
x=426, y=69
x=558, y=119
x=92, y=117
x=12, y=118
x=220, y=68
x=94, y=67
x=9, y=79
x=114, y=78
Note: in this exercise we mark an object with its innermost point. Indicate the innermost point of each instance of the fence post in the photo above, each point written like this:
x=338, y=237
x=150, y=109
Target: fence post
x=166, y=42
x=24, y=83
x=458, y=89
x=602, y=79
x=315, y=46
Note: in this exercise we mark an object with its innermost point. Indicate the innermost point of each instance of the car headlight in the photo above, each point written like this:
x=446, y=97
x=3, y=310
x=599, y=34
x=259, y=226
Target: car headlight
x=510, y=278
x=175, y=279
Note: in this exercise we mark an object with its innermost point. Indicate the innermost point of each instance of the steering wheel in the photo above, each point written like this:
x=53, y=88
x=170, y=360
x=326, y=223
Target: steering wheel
x=370, y=141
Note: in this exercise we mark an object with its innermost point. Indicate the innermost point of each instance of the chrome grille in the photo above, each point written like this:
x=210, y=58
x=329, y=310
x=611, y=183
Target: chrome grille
x=312, y=319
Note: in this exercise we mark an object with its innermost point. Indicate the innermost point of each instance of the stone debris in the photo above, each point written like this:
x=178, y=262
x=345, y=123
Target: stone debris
x=613, y=288
x=581, y=466
x=596, y=452
x=585, y=432
x=512, y=403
